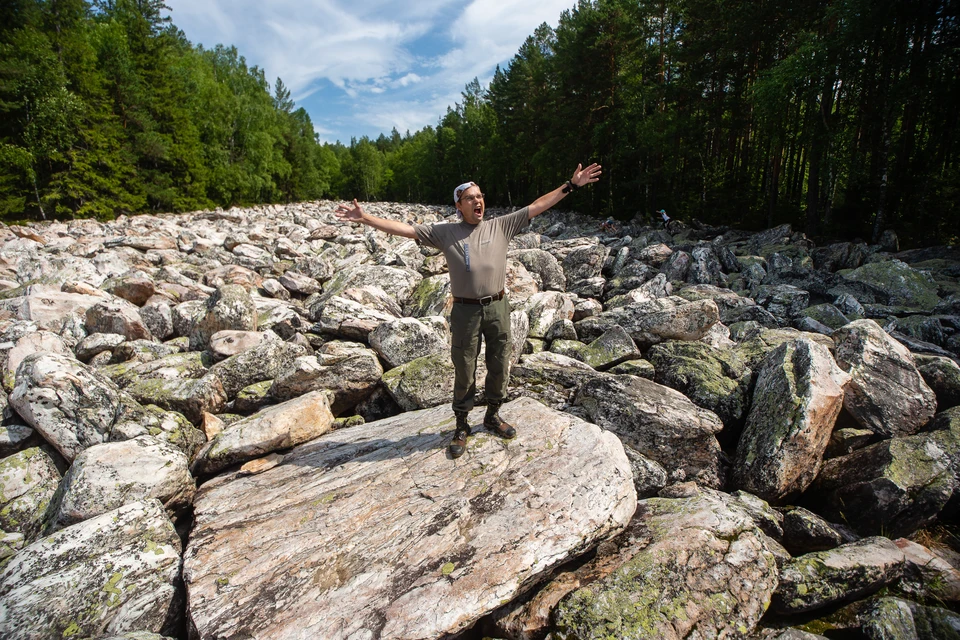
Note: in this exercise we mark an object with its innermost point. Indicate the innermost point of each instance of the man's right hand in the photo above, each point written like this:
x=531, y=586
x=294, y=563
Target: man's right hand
x=350, y=214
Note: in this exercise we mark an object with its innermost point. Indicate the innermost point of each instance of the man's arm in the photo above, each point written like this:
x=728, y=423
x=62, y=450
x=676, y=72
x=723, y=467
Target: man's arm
x=580, y=177
x=357, y=214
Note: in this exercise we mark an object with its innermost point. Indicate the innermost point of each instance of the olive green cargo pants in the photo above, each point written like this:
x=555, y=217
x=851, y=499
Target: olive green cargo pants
x=470, y=324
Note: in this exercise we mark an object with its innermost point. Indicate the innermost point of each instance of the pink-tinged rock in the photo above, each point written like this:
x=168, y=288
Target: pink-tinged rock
x=374, y=532
x=278, y=427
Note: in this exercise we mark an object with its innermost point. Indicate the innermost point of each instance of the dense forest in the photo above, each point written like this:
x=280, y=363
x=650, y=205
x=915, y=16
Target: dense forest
x=839, y=116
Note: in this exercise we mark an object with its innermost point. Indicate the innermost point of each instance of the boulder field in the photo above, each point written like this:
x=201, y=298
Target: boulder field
x=233, y=424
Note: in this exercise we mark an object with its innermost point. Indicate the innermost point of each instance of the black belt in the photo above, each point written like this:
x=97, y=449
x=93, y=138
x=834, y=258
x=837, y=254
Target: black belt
x=485, y=300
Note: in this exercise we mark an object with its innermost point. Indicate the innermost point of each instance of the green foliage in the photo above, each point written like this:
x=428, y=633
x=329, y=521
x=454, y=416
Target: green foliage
x=106, y=109
x=835, y=116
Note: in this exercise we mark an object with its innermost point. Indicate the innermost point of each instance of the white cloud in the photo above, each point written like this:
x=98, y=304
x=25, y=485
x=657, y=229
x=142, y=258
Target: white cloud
x=410, y=78
x=371, y=49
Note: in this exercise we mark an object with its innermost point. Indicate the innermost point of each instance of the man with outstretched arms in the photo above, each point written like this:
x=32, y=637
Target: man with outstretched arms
x=476, y=254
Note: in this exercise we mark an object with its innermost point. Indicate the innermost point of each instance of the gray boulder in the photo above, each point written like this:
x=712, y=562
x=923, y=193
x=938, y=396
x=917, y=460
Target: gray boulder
x=28, y=481
x=348, y=370
x=171, y=427
x=114, y=573
x=230, y=307
x=783, y=300
x=97, y=343
x=405, y=339
x=470, y=534
x=299, y=283
x=922, y=329
x=665, y=319
x=806, y=532
x=903, y=285
x=897, y=619
x=32, y=342
x=846, y=573
x=631, y=276
x=886, y=393
x=943, y=376
x=677, y=266
x=546, y=309
x=431, y=297
x=185, y=315
x=107, y=476
x=826, y=314
x=796, y=401
x=15, y=438
x=715, y=379
x=263, y=362
x=649, y=477
x=654, y=254
x=544, y=268
x=173, y=366
x=893, y=487
x=349, y=319
x=660, y=423
x=929, y=573
x=549, y=377
x=705, y=572
x=190, y=397
x=117, y=316
x=424, y=382
x=397, y=282
x=157, y=315
x=70, y=405
x=610, y=349
x=584, y=263
x=755, y=345
x=705, y=267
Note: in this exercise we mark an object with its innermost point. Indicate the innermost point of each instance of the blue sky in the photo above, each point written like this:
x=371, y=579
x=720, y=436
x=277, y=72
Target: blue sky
x=363, y=67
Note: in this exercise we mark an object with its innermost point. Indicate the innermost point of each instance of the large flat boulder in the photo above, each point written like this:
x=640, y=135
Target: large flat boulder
x=670, y=318
x=375, y=532
x=49, y=307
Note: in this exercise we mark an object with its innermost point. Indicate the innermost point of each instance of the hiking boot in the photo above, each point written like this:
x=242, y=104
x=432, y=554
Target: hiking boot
x=493, y=422
x=459, y=443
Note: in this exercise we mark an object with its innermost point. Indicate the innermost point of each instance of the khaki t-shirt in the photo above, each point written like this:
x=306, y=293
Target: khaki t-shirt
x=476, y=254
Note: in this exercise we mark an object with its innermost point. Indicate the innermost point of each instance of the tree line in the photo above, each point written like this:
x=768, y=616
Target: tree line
x=835, y=115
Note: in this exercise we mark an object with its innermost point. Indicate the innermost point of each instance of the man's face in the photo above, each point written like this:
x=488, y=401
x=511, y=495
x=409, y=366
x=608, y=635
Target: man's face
x=471, y=205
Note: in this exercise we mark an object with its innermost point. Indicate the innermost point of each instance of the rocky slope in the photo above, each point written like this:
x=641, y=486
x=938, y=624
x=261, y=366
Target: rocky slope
x=233, y=424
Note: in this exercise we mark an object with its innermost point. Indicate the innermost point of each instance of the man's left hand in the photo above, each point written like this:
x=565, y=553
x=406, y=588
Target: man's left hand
x=585, y=176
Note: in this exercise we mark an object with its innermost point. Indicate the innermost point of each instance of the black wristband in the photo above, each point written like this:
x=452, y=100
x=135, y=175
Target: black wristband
x=568, y=186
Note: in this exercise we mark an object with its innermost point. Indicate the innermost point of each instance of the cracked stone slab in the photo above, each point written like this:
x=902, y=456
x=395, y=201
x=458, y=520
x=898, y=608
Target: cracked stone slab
x=375, y=532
